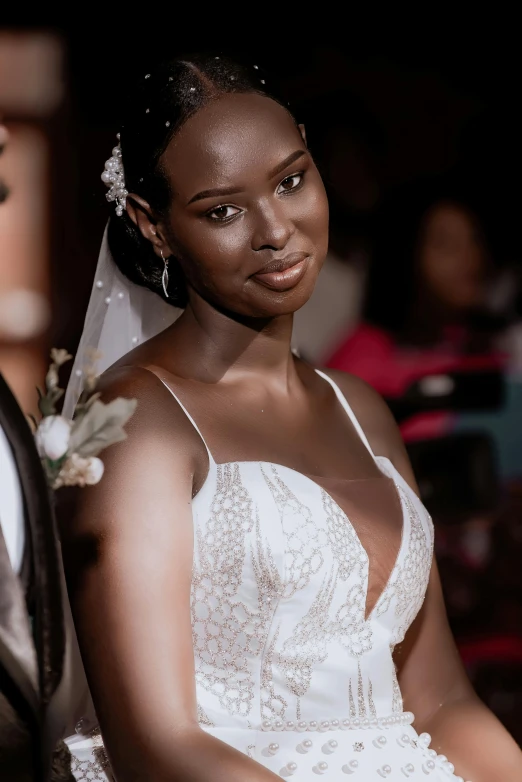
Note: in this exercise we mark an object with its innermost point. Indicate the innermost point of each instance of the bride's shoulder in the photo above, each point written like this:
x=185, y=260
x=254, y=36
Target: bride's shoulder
x=157, y=410
x=371, y=411
x=131, y=380
x=376, y=421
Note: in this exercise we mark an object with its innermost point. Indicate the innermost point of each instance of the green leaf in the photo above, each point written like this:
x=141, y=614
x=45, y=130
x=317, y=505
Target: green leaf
x=56, y=464
x=51, y=469
x=51, y=379
x=46, y=406
x=56, y=394
x=101, y=426
x=82, y=407
x=92, y=399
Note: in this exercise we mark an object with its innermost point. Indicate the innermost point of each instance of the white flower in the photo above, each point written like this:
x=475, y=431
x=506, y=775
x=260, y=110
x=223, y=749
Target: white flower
x=78, y=471
x=52, y=436
x=94, y=470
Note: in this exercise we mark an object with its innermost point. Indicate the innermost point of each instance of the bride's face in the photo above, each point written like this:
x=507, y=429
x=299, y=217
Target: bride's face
x=249, y=216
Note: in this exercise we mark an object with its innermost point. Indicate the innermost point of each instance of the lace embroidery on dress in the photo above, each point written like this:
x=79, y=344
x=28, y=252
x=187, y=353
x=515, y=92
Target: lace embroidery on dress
x=267, y=576
x=397, y=695
x=416, y=566
x=371, y=704
x=353, y=713
x=344, y=543
x=350, y=627
x=203, y=719
x=270, y=588
x=224, y=629
x=272, y=705
x=97, y=770
x=360, y=693
x=365, y=703
x=308, y=644
x=304, y=541
x=410, y=577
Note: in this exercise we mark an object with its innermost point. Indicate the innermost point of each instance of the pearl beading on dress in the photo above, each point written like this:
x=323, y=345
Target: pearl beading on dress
x=302, y=726
x=429, y=759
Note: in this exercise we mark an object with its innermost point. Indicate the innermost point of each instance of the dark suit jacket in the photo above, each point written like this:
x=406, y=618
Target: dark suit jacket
x=32, y=637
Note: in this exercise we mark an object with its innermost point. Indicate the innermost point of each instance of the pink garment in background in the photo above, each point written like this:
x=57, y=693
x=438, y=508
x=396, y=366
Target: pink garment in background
x=390, y=368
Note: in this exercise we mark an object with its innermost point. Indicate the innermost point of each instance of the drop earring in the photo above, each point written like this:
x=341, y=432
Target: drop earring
x=165, y=275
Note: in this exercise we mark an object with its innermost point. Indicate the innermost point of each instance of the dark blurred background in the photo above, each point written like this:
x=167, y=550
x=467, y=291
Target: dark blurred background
x=417, y=133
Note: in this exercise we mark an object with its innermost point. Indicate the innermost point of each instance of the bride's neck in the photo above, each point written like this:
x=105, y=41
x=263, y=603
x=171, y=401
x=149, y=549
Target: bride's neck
x=217, y=345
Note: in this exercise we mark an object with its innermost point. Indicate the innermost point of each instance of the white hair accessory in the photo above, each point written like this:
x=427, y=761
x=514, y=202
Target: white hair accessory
x=114, y=177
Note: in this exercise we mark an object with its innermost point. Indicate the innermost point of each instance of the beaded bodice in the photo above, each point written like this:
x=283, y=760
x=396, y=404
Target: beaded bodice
x=279, y=599
x=293, y=662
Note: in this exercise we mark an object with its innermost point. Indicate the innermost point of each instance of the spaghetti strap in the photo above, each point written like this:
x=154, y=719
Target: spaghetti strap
x=194, y=424
x=351, y=415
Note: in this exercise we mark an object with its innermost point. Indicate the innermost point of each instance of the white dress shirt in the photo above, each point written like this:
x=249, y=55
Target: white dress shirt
x=11, y=505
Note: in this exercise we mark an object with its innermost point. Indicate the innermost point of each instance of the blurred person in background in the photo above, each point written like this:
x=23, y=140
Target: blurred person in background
x=348, y=147
x=433, y=317
x=31, y=609
x=425, y=301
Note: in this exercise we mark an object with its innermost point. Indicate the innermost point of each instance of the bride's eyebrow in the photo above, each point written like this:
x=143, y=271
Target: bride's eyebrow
x=226, y=191
x=215, y=192
x=287, y=162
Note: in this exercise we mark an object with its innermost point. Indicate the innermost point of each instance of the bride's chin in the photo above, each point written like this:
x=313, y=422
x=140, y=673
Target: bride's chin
x=269, y=303
x=278, y=306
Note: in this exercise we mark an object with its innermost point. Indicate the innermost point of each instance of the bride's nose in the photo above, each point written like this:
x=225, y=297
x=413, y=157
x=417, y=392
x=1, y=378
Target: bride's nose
x=273, y=227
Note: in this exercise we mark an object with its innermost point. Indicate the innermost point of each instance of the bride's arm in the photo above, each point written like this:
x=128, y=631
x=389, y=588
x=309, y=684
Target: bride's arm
x=436, y=689
x=128, y=556
x=433, y=682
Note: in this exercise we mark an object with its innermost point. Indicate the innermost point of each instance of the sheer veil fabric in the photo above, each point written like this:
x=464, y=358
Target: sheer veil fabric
x=120, y=316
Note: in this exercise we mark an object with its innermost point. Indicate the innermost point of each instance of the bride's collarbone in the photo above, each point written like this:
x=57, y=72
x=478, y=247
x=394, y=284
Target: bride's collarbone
x=311, y=435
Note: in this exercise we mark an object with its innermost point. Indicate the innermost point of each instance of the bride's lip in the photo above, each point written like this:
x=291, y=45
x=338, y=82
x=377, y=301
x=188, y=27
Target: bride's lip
x=283, y=274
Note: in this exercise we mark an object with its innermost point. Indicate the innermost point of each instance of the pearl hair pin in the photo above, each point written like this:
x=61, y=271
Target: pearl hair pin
x=114, y=177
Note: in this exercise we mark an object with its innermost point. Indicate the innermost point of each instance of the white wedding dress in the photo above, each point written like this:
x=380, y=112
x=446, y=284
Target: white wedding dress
x=289, y=670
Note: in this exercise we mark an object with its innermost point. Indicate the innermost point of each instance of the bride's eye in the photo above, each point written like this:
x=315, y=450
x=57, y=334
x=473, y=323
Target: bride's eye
x=292, y=182
x=223, y=213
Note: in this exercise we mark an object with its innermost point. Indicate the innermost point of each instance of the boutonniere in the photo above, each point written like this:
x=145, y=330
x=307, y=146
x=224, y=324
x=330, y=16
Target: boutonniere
x=69, y=448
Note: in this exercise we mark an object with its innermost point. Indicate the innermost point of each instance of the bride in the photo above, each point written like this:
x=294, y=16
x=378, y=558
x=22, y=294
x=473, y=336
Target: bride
x=252, y=582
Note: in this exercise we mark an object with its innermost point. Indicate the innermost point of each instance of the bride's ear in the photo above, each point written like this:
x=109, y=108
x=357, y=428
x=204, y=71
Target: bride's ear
x=140, y=213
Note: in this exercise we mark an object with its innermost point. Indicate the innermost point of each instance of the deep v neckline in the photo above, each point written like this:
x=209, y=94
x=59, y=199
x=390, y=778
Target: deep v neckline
x=378, y=460
x=368, y=614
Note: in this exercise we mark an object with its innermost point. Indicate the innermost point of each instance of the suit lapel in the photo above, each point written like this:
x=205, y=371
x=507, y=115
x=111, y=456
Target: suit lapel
x=17, y=655
x=49, y=629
